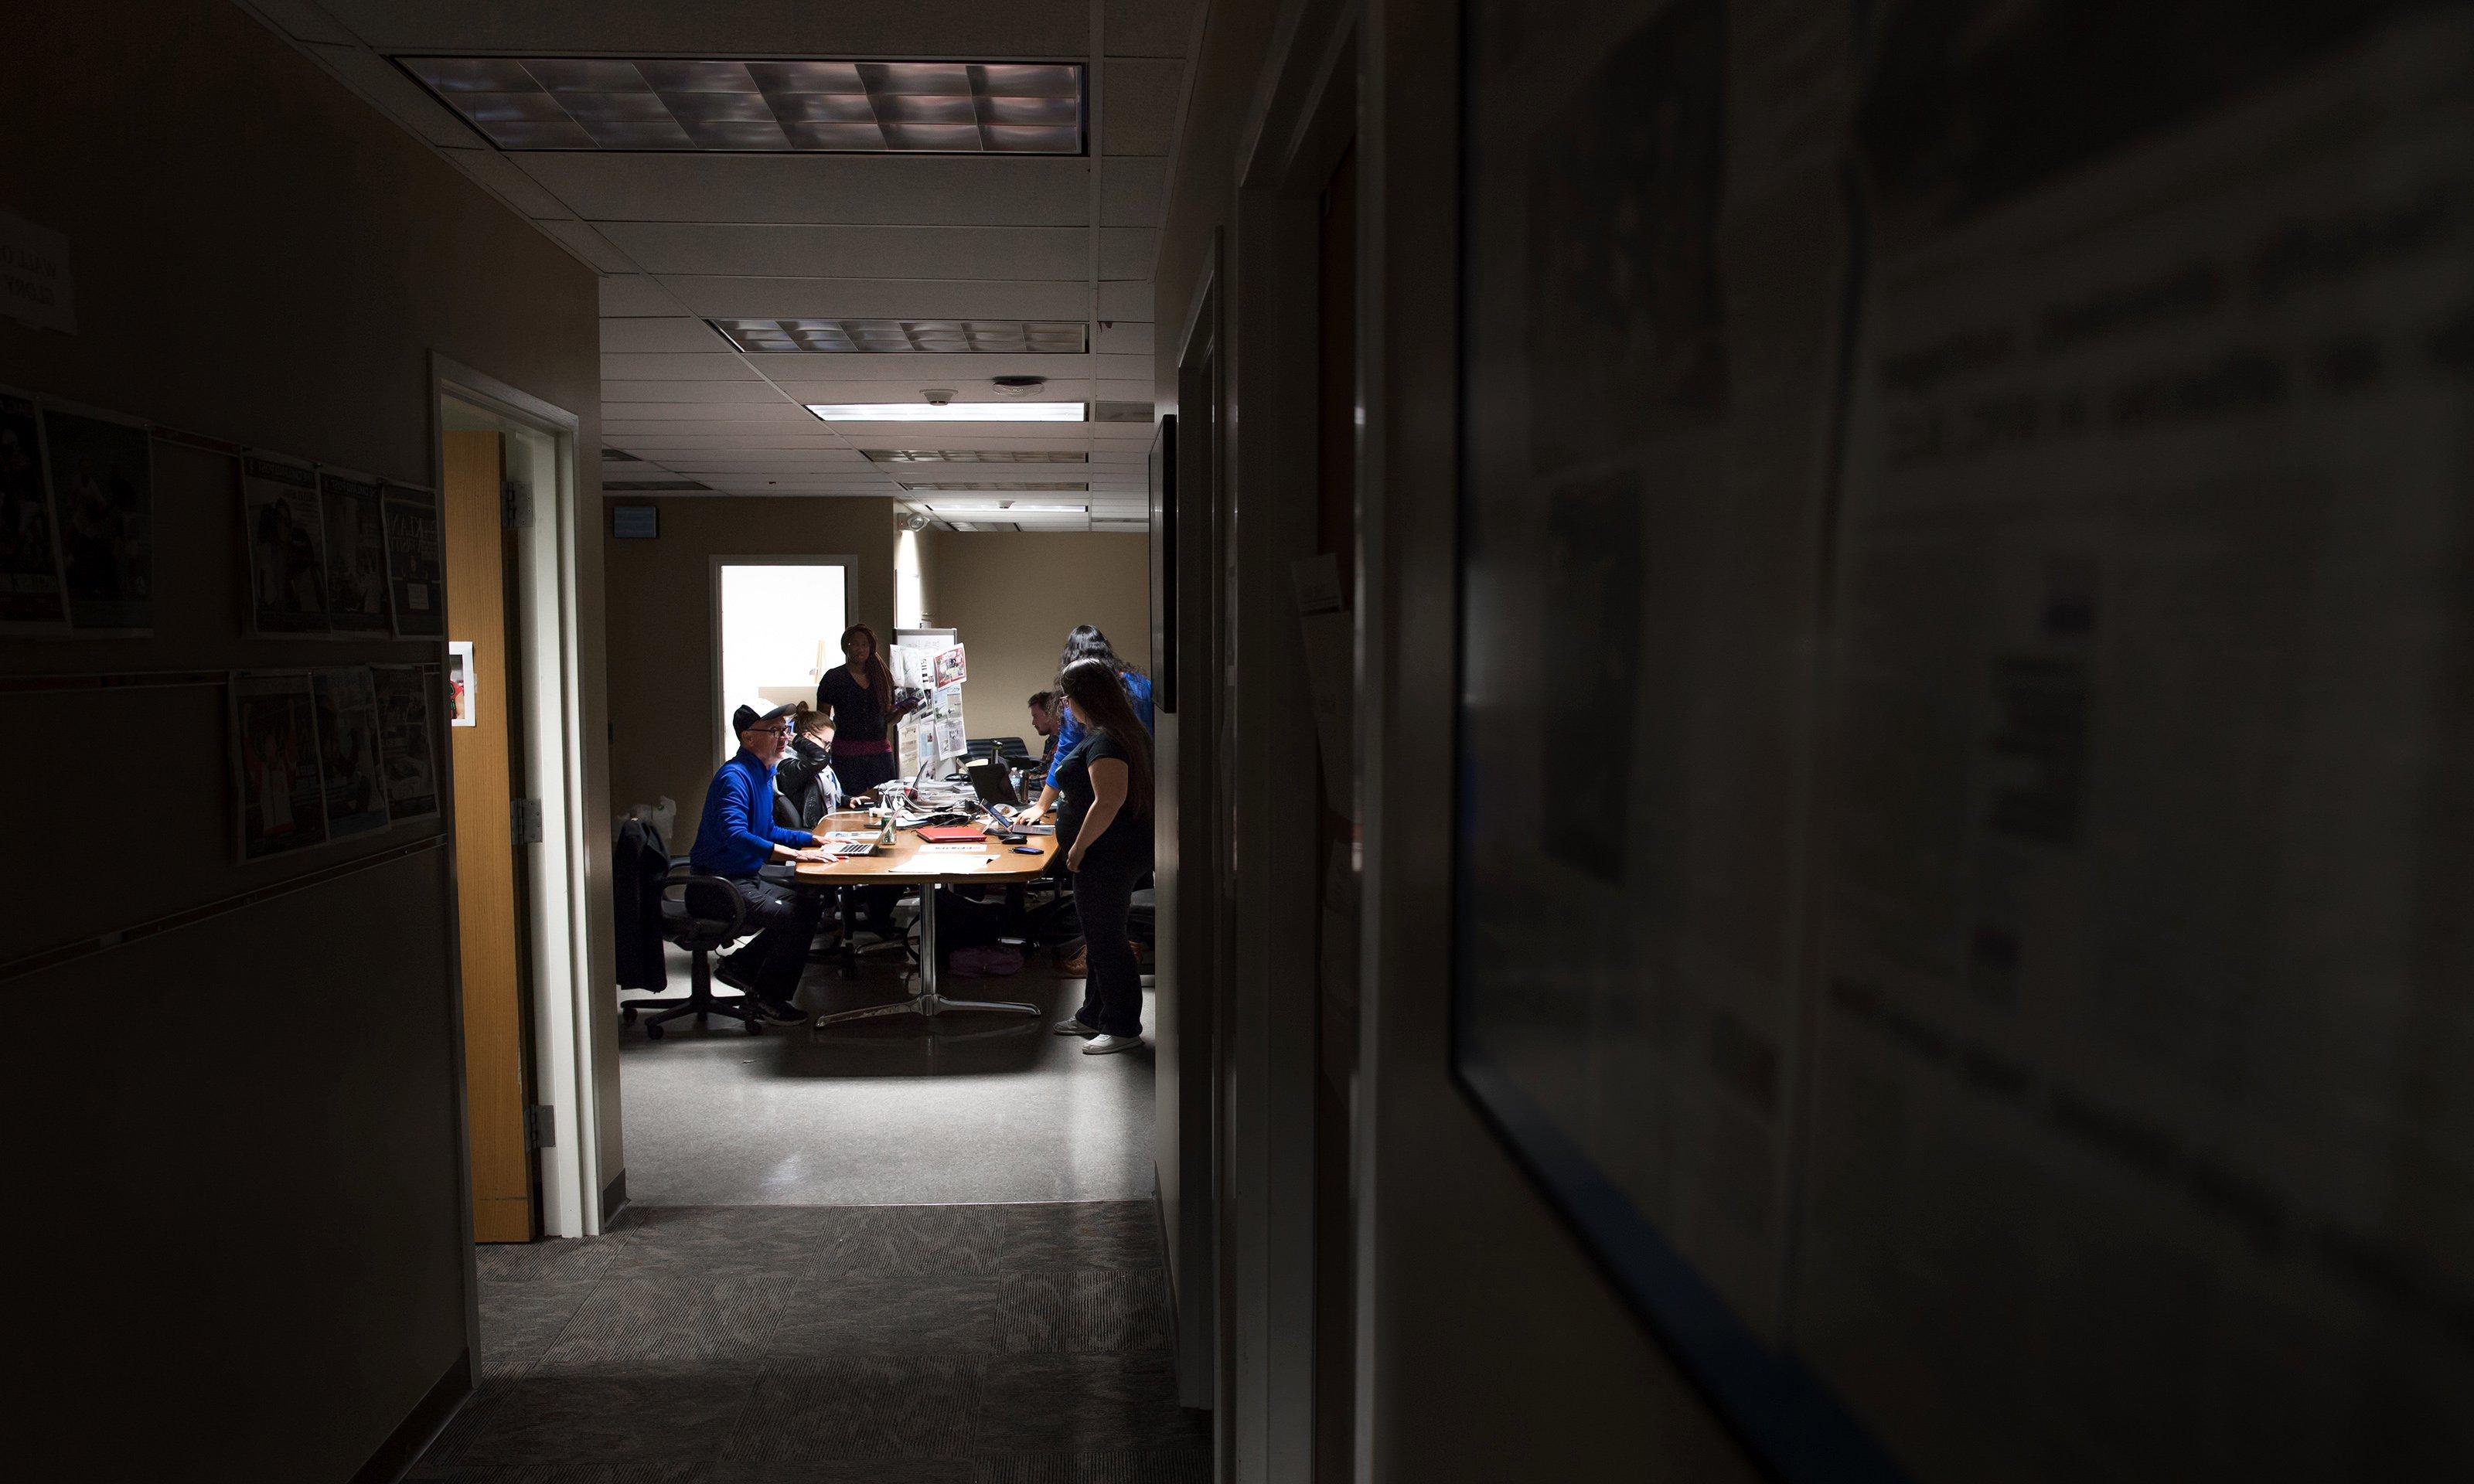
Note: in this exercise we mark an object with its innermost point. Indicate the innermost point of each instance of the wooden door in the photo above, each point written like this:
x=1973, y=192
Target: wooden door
x=488, y=889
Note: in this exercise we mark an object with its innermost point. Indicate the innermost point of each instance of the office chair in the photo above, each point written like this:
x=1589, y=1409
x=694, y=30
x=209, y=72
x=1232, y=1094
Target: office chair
x=699, y=934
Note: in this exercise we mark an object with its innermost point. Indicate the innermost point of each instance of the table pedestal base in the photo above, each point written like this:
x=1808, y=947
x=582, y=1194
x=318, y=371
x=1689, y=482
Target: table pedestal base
x=927, y=1002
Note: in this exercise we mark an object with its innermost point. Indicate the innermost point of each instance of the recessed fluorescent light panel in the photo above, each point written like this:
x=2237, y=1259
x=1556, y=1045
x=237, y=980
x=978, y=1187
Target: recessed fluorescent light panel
x=951, y=411
x=1007, y=508
x=897, y=337
x=1061, y=484
x=974, y=456
x=674, y=104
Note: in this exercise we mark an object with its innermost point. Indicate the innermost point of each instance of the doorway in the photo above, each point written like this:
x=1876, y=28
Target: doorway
x=531, y=1043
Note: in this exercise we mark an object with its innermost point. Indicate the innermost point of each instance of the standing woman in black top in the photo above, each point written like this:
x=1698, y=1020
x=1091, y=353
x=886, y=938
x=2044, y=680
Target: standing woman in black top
x=1106, y=781
x=858, y=695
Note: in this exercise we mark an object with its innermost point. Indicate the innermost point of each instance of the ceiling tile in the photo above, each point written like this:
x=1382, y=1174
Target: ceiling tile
x=920, y=370
x=747, y=28
x=304, y=21
x=1130, y=391
x=703, y=365
x=878, y=297
x=1138, y=100
x=1126, y=252
x=1126, y=301
x=498, y=173
x=1117, y=337
x=584, y=242
x=1146, y=28
x=1138, y=368
x=624, y=336
x=984, y=252
x=634, y=293
x=670, y=408
x=1132, y=190
x=843, y=189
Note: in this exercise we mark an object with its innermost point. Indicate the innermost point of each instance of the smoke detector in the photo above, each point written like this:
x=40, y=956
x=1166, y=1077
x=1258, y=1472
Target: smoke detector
x=938, y=397
x=1018, y=385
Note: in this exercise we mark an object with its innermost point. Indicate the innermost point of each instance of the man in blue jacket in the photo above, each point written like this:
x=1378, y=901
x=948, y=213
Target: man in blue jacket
x=736, y=837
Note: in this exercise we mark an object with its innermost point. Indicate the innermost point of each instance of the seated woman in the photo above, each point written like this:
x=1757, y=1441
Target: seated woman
x=805, y=776
x=1107, y=780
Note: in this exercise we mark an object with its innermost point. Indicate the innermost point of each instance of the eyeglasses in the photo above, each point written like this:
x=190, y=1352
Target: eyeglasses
x=771, y=731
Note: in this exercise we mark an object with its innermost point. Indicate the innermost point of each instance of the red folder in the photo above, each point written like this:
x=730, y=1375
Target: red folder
x=952, y=834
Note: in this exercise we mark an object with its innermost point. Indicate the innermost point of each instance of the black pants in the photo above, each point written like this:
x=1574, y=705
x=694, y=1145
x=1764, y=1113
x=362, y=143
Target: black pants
x=1112, y=988
x=787, y=923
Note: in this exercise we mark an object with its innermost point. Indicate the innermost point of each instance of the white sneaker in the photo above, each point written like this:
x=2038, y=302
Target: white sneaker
x=1102, y=1045
x=1070, y=1026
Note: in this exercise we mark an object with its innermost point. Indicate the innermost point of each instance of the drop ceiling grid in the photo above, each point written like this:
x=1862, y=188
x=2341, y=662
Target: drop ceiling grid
x=690, y=237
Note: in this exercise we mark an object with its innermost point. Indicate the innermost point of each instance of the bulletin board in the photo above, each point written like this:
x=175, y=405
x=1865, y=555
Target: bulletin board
x=1963, y=541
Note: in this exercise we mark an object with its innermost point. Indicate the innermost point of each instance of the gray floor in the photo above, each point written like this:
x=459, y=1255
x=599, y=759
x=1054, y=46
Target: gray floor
x=990, y=1109
x=895, y=1345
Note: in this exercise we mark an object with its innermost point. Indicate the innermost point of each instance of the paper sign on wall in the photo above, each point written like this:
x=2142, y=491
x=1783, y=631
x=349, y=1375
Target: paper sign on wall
x=35, y=284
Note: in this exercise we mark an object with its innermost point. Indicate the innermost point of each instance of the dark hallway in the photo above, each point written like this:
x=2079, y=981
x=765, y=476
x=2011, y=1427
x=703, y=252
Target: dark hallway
x=1021, y=1343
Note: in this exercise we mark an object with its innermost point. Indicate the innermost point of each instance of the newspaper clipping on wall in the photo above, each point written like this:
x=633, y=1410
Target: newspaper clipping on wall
x=279, y=796
x=32, y=599
x=285, y=526
x=406, y=696
x=101, y=471
x=350, y=752
x=356, y=557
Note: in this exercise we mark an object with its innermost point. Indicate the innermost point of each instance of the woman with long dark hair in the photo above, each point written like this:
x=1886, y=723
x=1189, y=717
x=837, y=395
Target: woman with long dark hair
x=1087, y=642
x=1107, y=780
x=858, y=694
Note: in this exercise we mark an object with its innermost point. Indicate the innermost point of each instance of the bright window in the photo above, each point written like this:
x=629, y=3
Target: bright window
x=781, y=630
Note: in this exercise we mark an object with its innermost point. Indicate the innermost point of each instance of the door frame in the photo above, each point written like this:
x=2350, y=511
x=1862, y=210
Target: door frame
x=1306, y=120
x=552, y=770
x=721, y=704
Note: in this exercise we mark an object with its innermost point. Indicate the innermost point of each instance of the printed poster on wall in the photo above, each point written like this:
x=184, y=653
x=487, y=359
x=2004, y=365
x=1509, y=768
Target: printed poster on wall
x=100, y=471
x=285, y=526
x=32, y=600
x=415, y=568
x=279, y=797
x=348, y=751
x=404, y=739
x=356, y=557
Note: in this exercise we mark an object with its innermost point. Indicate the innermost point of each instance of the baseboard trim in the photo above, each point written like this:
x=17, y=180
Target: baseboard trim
x=421, y=1426
x=613, y=1199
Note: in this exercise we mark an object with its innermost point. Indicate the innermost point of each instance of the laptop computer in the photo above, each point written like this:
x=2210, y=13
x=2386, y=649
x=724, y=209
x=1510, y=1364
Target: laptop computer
x=994, y=782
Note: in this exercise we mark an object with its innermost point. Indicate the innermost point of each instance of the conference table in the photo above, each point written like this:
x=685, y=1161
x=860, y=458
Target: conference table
x=911, y=861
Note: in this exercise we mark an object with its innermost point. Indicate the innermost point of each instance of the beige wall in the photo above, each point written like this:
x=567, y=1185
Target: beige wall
x=660, y=624
x=1011, y=596
x=251, y=1161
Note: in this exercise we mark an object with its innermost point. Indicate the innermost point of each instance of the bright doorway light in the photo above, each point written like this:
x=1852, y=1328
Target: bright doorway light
x=779, y=626
x=950, y=411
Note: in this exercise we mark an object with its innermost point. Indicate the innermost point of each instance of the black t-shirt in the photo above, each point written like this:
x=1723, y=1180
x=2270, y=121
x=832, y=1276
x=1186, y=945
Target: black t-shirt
x=858, y=715
x=1127, y=834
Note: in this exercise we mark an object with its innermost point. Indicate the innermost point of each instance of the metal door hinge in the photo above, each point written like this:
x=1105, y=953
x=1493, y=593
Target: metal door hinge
x=514, y=505
x=524, y=820
x=540, y=1127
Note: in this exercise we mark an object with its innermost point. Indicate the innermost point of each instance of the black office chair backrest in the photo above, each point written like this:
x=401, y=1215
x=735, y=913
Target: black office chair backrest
x=700, y=911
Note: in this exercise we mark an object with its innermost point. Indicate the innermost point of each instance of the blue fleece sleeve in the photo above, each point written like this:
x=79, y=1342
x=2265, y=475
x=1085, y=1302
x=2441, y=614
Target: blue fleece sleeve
x=738, y=817
x=1069, y=736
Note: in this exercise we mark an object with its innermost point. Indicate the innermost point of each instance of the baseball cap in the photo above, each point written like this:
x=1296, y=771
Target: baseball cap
x=747, y=717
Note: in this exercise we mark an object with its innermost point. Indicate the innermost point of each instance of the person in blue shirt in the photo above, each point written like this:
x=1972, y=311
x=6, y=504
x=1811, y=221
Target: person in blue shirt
x=736, y=837
x=1085, y=642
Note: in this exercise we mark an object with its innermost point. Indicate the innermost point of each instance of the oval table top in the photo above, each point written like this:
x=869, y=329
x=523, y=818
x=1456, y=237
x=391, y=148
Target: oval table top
x=909, y=859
